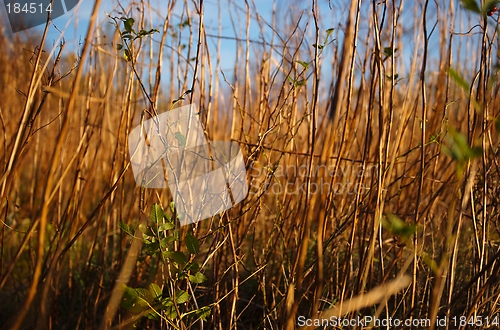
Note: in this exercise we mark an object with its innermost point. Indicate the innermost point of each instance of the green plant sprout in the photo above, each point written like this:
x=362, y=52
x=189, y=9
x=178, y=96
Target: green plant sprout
x=170, y=303
x=129, y=35
x=298, y=82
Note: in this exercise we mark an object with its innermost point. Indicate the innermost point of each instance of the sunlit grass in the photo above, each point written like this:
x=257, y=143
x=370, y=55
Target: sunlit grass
x=363, y=167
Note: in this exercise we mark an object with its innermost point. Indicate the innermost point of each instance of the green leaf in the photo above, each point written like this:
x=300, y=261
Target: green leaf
x=459, y=80
x=130, y=292
x=177, y=235
x=471, y=5
x=155, y=290
x=181, y=296
x=318, y=46
x=145, y=230
x=169, y=308
x=144, y=33
x=130, y=300
x=304, y=64
x=197, y=278
x=151, y=248
x=396, y=76
x=177, y=100
x=127, y=55
x=388, y=51
x=297, y=83
x=123, y=226
x=176, y=256
x=156, y=213
x=166, y=241
x=398, y=227
x=203, y=313
x=301, y=82
x=172, y=207
x=126, y=35
x=193, y=266
x=119, y=47
x=181, y=139
x=128, y=24
x=167, y=302
x=166, y=226
x=153, y=316
x=459, y=148
x=136, y=300
x=192, y=243
x=181, y=276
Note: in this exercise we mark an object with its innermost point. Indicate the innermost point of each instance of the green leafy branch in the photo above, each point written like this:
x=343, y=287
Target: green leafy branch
x=327, y=40
x=298, y=82
x=159, y=237
x=181, y=98
x=128, y=35
x=388, y=53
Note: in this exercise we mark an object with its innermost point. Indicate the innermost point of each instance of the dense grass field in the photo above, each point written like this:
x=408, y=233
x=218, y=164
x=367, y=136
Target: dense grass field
x=370, y=133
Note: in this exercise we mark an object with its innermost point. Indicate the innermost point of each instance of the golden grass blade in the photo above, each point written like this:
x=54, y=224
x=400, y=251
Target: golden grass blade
x=375, y=296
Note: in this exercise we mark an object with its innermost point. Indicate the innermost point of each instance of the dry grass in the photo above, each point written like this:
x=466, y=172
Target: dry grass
x=333, y=166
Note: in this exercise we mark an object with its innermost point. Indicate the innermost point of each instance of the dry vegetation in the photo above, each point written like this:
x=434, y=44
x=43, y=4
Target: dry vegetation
x=357, y=172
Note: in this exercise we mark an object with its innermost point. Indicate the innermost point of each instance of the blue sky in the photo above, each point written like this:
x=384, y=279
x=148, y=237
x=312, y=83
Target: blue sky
x=77, y=21
x=332, y=15
x=79, y=18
